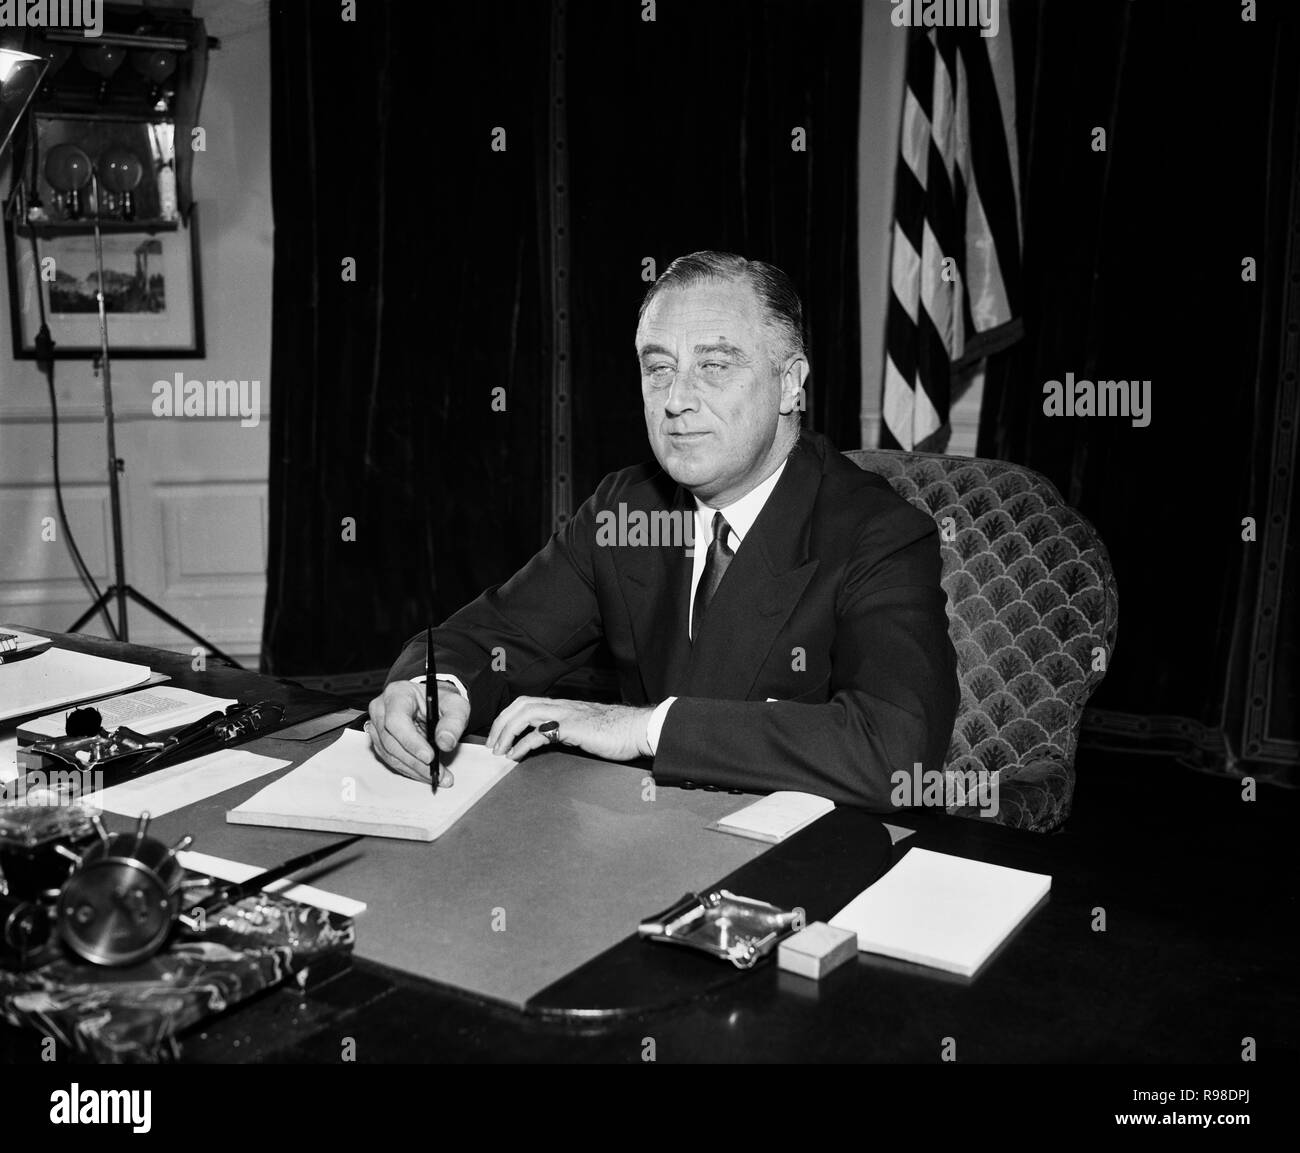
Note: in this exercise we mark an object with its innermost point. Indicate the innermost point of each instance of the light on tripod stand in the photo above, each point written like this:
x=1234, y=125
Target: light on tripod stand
x=68, y=170
x=20, y=75
x=10, y=63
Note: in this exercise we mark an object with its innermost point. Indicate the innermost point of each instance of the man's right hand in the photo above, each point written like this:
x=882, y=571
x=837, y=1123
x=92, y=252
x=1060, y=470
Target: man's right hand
x=397, y=728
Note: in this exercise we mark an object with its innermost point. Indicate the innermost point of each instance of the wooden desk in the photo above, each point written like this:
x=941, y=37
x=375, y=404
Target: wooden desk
x=1191, y=959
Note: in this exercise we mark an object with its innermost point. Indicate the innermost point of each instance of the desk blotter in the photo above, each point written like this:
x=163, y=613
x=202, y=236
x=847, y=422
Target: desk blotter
x=558, y=862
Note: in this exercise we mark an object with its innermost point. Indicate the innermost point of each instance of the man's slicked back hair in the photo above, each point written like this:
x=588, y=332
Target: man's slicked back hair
x=773, y=288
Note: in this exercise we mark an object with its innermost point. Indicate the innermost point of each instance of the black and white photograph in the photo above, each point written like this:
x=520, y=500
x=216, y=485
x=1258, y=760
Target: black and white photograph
x=130, y=285
x=649, y=532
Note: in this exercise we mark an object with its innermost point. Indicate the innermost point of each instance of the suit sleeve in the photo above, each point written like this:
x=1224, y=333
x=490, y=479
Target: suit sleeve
x=520, y=637
x=893, y=681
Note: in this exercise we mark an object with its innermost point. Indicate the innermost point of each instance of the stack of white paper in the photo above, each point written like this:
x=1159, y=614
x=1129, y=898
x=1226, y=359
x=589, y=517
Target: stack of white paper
x=947, y=912
x=345, y=789
x=775, y=817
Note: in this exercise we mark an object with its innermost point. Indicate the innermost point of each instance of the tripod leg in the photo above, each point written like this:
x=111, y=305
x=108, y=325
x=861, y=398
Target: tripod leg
x=98, y=607
x=163, y=615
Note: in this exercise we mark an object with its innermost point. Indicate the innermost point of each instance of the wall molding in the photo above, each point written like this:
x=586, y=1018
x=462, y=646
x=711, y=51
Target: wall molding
x=78, y=413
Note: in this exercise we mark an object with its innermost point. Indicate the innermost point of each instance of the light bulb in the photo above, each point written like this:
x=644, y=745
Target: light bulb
x=103, y=60
x=155, y=66
x=67, y=167
x=120, y=170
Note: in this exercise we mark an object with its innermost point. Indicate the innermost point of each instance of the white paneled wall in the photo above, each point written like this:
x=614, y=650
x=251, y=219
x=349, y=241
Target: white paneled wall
x=194, y=524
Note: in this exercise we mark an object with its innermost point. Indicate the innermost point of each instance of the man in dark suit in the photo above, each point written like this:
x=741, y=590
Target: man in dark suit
x=801, y=644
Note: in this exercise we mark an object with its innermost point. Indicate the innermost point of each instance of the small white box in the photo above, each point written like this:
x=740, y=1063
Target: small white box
x=817, y=949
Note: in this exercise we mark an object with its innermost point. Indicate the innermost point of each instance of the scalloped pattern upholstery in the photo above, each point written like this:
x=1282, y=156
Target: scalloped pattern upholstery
x=1031, y=601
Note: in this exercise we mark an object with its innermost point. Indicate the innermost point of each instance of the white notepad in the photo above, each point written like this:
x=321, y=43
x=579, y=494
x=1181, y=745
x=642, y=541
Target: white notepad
x=345, y=789
x=59, y=677
x=775, y=817
x=947, y=912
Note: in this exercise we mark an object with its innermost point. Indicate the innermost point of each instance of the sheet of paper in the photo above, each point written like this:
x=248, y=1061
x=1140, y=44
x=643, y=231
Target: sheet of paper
x=237, y=871
x=145, y=711
x=59, y=677
x=8, y=758
x=947, y=912
x=345, y=789
x=176, y=786
x=776, y=816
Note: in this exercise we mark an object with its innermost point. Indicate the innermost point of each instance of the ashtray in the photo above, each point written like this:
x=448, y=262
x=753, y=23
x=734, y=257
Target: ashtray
x=737, y=929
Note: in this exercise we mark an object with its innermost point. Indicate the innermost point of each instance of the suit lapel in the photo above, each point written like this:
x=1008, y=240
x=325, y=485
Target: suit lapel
x=656, y=583
x=761, y=588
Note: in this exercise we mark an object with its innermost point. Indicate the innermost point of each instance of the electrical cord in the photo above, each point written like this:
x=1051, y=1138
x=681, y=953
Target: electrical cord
x=45, y=362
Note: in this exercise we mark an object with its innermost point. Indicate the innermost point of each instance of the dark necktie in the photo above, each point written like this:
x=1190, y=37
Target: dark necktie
x=715, y=568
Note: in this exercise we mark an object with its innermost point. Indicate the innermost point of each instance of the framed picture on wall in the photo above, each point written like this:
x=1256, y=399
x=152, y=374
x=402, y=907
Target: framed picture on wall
x=152, y=298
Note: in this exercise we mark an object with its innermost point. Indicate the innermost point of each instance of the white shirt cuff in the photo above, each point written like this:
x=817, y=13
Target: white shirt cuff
x=450, y=678
x=657, y=724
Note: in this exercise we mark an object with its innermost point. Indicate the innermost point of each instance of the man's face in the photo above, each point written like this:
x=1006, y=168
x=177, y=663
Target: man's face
x=713, y=400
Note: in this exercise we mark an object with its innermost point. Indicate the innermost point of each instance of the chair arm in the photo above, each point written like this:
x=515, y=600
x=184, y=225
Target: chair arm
x=1036, y=796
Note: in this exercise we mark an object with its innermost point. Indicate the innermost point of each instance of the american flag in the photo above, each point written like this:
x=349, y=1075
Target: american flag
x=955, y=268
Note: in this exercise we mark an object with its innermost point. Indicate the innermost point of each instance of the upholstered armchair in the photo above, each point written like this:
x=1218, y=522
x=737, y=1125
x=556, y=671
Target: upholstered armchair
x=1032, y=609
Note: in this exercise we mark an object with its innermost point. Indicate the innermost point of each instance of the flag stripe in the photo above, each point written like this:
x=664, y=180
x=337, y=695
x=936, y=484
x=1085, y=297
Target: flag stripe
x=920, y=68
x=955, y=266
x=900, y=340
x=909, y=206
x=905, y=276
x=991, y=165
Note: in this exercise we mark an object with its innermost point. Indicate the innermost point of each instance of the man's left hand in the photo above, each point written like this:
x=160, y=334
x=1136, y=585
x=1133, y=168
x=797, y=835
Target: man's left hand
x=614, y=732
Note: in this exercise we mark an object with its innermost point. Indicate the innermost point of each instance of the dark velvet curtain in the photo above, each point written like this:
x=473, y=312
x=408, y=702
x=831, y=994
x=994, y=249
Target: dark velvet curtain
x=382, y=387
x=681, y=134
x=678, y=137
x=1133, y=270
